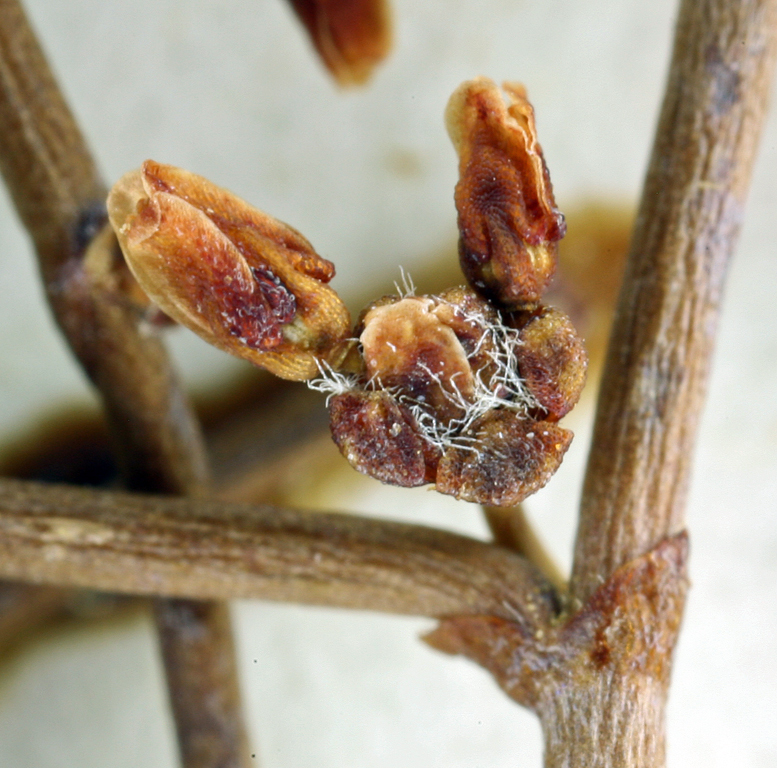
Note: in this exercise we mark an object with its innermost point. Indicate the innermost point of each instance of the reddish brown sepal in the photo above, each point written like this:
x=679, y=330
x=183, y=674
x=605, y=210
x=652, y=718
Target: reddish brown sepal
x=551, y=359
x=508, y=221
x=379, y=438
x=351, y=36
x=511, y=458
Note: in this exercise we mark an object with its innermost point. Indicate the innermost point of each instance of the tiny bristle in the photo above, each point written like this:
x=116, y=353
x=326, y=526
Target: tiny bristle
x=406, y=288
x=331, y=382
x=505, y=380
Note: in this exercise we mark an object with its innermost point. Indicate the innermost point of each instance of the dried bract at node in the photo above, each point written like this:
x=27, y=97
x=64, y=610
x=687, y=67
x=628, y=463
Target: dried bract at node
x=508, y=221
x=551, y=359
x=244, y=281
x=351, y=36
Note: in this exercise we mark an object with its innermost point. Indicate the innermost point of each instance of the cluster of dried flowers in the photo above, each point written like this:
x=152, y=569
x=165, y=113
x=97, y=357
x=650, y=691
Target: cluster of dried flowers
x=462, y=389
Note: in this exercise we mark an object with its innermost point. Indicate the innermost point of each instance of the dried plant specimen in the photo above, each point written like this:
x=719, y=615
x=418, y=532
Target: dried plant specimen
x=462, y=389
x=484, y=371
x=448, y=369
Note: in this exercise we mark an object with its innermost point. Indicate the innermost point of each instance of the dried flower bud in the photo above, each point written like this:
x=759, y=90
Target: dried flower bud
x=351, y=36
x=551, y=359
x=245, y=282
x=441, y=399
x=508, y=221
x=510, y=457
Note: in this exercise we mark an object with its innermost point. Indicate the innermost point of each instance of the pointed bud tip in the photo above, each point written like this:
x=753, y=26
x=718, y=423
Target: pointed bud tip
x=352, y=37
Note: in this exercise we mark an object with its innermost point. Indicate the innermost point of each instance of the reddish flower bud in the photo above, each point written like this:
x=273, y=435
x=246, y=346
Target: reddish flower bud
x=351, y=36
x=245, y=282
x=441, y=399
x=508, y=221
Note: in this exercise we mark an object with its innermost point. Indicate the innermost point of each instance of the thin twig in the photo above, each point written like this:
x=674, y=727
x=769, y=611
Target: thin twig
x=160, y=545
x=194, y=636
x=511, y=528
x=59, y=196
x=659, y=356
x=47, y=167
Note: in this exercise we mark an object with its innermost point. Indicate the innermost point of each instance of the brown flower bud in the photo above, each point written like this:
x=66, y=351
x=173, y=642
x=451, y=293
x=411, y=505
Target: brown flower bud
x=508, y=221
x=463, y=389
x=510, y=458
x=441, y=399
x=245, y=282
x=351, y=36
x=551, y=358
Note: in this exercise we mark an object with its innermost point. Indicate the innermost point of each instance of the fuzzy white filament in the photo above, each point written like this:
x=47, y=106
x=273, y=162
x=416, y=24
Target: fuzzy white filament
x=408, y=286
x=332, y=382
x=504, y=389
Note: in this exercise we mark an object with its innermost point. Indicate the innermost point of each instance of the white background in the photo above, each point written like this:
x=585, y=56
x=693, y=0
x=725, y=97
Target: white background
x=231, y=90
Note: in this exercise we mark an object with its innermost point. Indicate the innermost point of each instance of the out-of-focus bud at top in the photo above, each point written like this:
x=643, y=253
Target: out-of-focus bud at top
x=508, y=221
x=351, y=36
x=244, y=281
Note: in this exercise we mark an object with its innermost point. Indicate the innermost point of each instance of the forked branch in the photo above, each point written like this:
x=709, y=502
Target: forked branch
x=598, y=675
x=208, y=549
x=57, y=191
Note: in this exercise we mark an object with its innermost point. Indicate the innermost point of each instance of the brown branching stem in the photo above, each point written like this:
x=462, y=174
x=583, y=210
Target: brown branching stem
x=200, y=666
x=599, y=679
x=60, y=199
x=160, y=545
x=598, y=674
x=663, y=333
x=658, y=361
x=59, y=196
